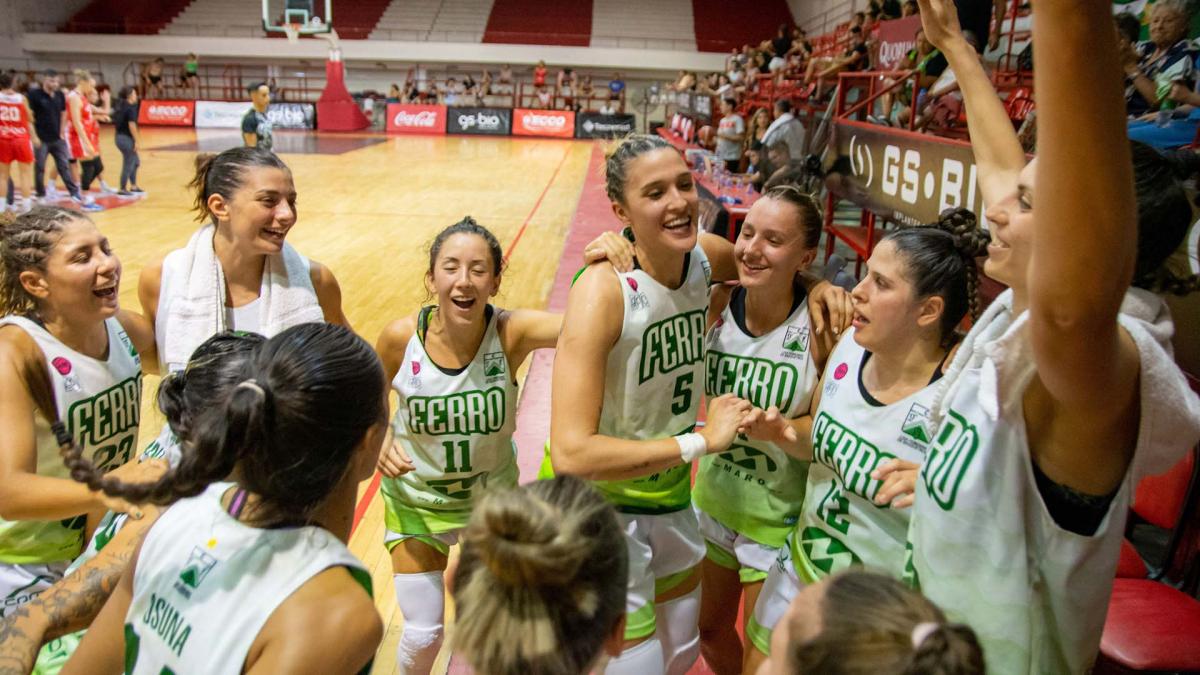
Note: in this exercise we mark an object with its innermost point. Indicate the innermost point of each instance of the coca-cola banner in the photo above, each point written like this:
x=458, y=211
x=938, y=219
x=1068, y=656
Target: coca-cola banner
x=167, y=113
x=897, y=38
x=292, y=115
x=487, y=121
x=404, y=118
x=553, y=123
x=591, y=125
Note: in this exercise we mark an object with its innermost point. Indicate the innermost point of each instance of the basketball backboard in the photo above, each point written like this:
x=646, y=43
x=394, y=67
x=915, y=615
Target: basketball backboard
x=302, y=17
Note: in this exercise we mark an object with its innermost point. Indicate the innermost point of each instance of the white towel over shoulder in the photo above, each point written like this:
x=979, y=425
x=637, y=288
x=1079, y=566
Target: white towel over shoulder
x=191, y=304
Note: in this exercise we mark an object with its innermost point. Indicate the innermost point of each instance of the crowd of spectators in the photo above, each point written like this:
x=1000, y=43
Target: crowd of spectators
x=568, y=90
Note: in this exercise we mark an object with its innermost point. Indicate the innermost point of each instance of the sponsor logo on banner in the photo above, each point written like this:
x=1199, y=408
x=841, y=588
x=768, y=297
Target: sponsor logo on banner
x=590, y=125
x=167, y=113
x=292, y=115
x=896, y=38
x=553, y=123
x=403, y=118
x=221, y=114
x=489, y=121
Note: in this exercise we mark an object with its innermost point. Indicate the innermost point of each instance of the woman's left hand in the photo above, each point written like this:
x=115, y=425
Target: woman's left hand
x=829, y=306
x=899, y=483
x=614, y=248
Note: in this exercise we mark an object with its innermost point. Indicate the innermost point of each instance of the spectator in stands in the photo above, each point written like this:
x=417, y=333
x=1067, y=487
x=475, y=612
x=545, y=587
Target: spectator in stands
x=977, y=16
x=125, y=122
x=616, y=87
x=256, y=126
x=1166, y=58
x=152, y=77
x=756, y=169
x=452, y=92
x=395, y=95
x=760, y=121
x=1129, y=29
x=784, y=169
x=564, y=85
x=890, y=10
x=761, y=63
x=608, y=107
x=189, y=74
x=929, y=63
x=854, y=58
x=544, y=97
x=909, y=8
x=943, y=103
x=49, y=107
x=539, y=74
x=786, y=129
x=782, y=42
x=409, y=94
x=1180, y=130
x=724, y=87
x=731, y=131
x=504, y=81
x=584, y=93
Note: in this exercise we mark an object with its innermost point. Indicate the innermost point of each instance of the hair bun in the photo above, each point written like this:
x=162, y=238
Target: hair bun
x=523, y=541
x=963, y=225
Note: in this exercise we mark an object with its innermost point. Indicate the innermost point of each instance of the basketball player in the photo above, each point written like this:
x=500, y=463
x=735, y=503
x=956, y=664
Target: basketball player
x=72, y=603
x=80, y=120
x=1064, y=394
x=453, y=365
x=878, y=388
x=247, y=576
x=17, y=139
x=237, y=272
x=623, y=388
x=59, y=282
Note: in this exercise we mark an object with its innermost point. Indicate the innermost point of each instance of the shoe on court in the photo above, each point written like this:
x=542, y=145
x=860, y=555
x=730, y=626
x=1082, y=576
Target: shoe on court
x=92, y=207
x=124, y=193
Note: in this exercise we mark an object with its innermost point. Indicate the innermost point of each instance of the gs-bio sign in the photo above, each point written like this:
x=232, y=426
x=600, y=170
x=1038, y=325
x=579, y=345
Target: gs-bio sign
x=552, y=123
x=907, y=177
x=403, y=118
x=167, y=113
x=485, y=121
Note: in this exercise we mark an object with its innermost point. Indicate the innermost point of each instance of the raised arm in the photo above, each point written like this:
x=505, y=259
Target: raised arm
x=998, y=154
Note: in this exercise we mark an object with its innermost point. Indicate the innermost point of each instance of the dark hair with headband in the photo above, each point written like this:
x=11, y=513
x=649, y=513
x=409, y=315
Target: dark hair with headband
x=871, y=623
x=290, y=427
x=223, y=174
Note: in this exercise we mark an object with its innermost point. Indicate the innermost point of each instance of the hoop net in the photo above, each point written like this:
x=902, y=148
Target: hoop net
x=292, y=30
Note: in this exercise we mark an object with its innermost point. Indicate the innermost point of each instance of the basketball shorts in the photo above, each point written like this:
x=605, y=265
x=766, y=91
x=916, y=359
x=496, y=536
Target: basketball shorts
x=663, y=549
x=442, y=541
x=16, y=150
x=21, y=583
x=778, y=591
x=734, y=550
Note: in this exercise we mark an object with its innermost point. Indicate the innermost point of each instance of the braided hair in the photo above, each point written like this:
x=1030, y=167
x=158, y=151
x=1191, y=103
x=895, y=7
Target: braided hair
x=25, y=243
x=940, y=259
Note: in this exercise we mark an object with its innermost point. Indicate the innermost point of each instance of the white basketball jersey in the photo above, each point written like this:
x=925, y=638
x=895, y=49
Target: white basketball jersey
x=755, y=488
x=205, y=584
x=853, y=434
x=984, y=547
x=100, y=404
x=457, y=427
x=654, y=378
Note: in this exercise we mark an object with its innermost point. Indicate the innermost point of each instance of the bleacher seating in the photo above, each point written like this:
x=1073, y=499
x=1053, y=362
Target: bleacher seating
x=355, y=19
x=230, y=18
x=637, y=24
x=722, y=26
x=536, y=22
x=131, y=17
x=434, y=20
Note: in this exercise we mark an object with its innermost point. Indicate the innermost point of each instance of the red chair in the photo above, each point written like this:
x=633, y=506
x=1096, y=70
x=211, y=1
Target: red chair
x=1160, y=501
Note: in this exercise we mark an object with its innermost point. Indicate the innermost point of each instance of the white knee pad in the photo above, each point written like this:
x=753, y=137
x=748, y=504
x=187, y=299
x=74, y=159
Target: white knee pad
x=422, y=602
x=678, y=626
x=645, y=658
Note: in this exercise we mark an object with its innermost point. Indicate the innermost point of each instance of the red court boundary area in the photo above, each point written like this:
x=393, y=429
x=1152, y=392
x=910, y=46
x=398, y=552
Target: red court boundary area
x=365, y=503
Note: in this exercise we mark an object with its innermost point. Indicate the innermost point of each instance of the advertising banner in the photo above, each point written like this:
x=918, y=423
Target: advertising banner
x=292, y=115
x=221, y=114
x=552, y=123
x=907, y=177
x=485, y=121
x=592, y=125
x=897, y=38
x=167, y=113
x=405, y=118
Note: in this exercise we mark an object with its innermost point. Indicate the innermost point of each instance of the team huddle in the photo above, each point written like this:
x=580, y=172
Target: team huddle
x=876, y=488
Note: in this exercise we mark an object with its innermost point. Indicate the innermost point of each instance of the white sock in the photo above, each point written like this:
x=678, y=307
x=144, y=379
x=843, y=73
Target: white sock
x=422, y=602
x=678, y=625
x=644, y=658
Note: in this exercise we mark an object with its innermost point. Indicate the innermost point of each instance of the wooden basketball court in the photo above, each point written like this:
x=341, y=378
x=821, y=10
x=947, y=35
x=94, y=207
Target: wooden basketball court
x=368, y=207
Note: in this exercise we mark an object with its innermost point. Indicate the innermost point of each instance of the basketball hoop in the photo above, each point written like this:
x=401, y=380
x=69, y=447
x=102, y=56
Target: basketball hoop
x=292, y=30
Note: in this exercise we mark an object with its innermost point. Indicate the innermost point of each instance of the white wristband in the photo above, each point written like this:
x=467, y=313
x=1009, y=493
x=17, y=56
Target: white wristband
x=691, y=447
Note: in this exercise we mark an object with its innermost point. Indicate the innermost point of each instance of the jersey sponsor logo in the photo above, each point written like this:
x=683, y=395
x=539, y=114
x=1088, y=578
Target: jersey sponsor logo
x=459, y=488
x=62, y=365
x=949, y=458
x=763, y=382
x=795, y=342
x=632, y=282
x=672, y=343
x=746, y=463
x=24, y=594
x=199, y=564
x=825, y=552
x=840, y=371
x=471, y=412
x=852, y=457
x=168, y=622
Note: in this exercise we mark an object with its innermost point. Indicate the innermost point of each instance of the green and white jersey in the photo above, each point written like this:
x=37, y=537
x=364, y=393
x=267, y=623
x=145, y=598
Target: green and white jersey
x=100, y=404
x=457, y=427
x=983, y=544
x=653, y=380
x=755, y=488
x=841, y=525
x=205, y=584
